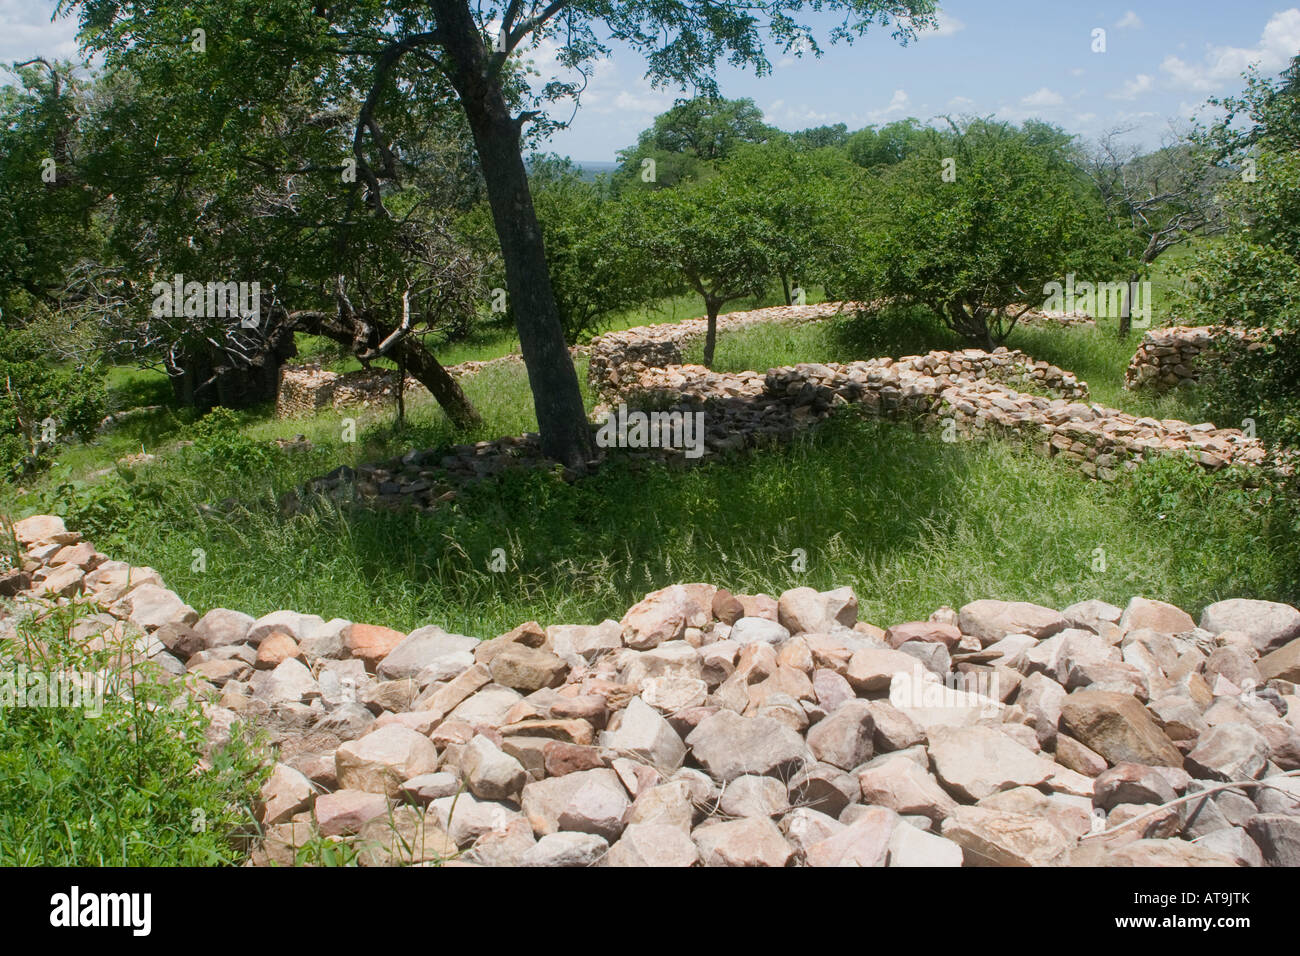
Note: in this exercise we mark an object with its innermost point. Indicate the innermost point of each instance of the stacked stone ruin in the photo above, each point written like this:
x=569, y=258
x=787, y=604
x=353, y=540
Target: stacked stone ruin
x=620, y=357
x=962, y=395
x=1174, y=356
x=705, y=728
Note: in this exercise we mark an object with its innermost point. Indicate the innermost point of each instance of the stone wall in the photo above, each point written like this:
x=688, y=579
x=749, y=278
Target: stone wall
x=1098, y=439
x=619, y=357
x=1169, y=357
x=963, y=395
x=308, y=389
x=705, y=728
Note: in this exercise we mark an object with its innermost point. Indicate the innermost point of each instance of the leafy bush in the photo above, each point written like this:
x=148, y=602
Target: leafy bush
x=100, y=510
x=32, y=391
x=975, y=221
x=1252, y=280
x=220, y=445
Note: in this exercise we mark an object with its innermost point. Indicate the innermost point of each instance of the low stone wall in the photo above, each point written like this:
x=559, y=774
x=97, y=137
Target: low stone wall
x=620, y=357
x=1057, y=317
x=705, y=728
x=963, y=395
x=1169, y=357
x=1100, y=440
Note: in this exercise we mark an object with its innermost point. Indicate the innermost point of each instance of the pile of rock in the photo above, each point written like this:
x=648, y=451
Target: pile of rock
x=304, y=390
x=706, y=728
x=310, y=389
x=1057, y=317
x=619, y=358
x=1170, y=357
x=117, y=419
x=426, y=479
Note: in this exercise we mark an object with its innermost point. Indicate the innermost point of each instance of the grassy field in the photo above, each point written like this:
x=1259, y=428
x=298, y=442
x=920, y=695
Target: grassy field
x=910, y=522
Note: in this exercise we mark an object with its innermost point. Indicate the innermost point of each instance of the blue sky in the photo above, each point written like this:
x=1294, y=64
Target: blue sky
x=1011, y=58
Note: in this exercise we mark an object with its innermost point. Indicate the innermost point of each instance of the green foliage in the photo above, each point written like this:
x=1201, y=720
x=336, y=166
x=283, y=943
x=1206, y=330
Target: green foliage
x=322, y=851
x=121, y=788
x=807, y=200
x=712, y=236
x=97, y=509
x=594, y=272
x=887, y=145
x=1252, y=278
x=32, y=391
x=821, y=137
x=220, y=445
x=1014, y=216
x=45, y=210
x=687, y=141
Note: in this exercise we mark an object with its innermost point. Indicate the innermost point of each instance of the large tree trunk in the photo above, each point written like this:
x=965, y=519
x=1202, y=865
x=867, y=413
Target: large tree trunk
x=561, y=415
x=420, y=363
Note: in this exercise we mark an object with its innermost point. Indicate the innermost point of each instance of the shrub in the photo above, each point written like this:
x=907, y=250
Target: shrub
x=221, y=446
x=32, y=391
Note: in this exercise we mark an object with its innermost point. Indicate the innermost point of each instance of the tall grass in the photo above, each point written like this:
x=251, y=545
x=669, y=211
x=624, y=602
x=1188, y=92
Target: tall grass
x=121, y=787
x=909, y=521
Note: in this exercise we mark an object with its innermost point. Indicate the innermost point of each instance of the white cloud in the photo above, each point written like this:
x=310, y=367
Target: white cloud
x=1042, y=98
x=1142, y=83
x=947, y=26
x=960, y=103
x=26, y=31
x=899, y=103
x=789, y=116
x=1222, y=64
x=1129, y=21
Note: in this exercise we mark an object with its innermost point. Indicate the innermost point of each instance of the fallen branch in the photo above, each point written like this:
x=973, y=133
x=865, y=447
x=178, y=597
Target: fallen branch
x=1200, y=794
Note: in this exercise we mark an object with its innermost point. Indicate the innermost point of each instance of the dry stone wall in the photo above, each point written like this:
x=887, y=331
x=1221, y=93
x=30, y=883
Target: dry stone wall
x=620, y=357
x=964, y=394
x=1168, y=358
x=705, y=728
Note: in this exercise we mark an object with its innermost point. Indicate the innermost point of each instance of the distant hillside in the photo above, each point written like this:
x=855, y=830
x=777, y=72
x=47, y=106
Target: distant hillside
x=591, y=170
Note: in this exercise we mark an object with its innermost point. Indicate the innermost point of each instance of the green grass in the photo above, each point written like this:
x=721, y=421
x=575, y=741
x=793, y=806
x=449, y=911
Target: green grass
x=114, y=784
x=909, y=521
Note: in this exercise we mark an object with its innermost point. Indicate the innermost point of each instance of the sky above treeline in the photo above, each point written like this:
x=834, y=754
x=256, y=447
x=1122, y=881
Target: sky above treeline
x=1012, y=59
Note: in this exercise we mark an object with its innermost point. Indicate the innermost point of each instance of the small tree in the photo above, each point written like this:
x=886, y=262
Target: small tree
x=593, y=270
x=975, y=224
x=1252, y=278
x=802, y=195
x=711, y=236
